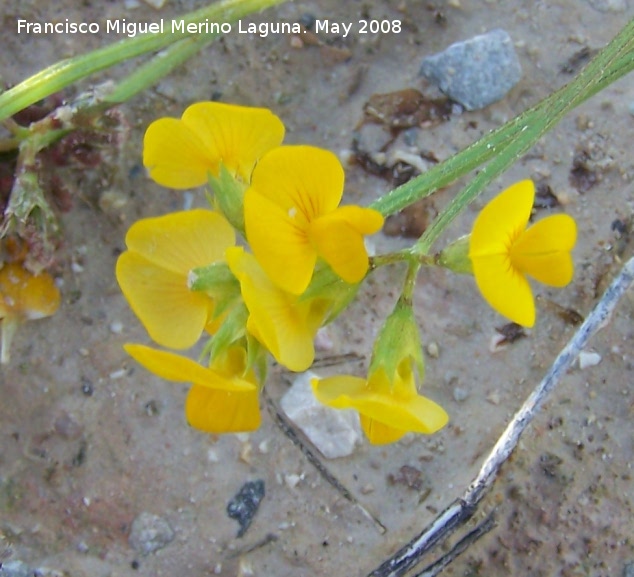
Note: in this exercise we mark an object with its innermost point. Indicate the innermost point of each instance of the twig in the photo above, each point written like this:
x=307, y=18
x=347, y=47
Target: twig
x=287, y=428
x=459, y=548
x=463, y=508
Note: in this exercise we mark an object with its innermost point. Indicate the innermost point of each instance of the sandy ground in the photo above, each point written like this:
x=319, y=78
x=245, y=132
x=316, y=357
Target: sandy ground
x=88, y=440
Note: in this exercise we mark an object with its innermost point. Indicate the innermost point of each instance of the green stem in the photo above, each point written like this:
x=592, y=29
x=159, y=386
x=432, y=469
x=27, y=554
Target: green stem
x=510, y=141
x=410, y=282
x=68, y=71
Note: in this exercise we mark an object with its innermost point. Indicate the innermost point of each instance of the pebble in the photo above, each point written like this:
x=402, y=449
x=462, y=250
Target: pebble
x=150, y=533
x=476, y=72
x=334, y=432
x=628, y=569
x=460, y=394
x=15, y=568
x=588, y=359
x=245, y=504
x=432, y=350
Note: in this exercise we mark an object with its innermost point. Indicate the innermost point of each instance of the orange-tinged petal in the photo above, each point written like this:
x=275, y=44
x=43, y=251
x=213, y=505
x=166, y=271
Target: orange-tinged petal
x=305, y=181
x=237, y=135
x=25, y=295
x=181, y=241
x=276, y=319
x=220, y=411
x=175, y=156
x=173, y=367
x=338, y=237
x=543, y=251
x=505, y=288
x=279, y=242
x=502, y=220
x=173, y=315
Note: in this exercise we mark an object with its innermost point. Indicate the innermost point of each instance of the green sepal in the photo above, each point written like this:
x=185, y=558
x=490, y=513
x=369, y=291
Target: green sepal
x=218, y=282
x=328, y=286
x=229, y=197
x=398, y=340
x=455, y=256
x=232, y=329
x=257, y=358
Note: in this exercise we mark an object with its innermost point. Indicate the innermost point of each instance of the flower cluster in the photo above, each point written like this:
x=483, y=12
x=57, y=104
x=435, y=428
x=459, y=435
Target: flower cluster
x=184, y=275
x=299, y=262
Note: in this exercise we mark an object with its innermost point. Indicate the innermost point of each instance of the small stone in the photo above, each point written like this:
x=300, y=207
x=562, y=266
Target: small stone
x=628, y=569
x=292, y=480
x=588, y=359
x=245, y=504
x=150, y=533
x=433, y=351
x=460, y=394
x=476, y=72
x=15, y=568
x=116, y=327
x=367, y=489
x=112, y=201
x=494, y=398
x=334, y=432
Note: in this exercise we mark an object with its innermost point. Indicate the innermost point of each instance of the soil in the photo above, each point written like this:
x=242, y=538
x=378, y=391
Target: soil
x=89, y=440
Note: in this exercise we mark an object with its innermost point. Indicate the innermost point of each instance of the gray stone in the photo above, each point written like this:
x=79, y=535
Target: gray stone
x=15, y=568
x=628, y=570
x=476, y=72
x=150, y=533
x=334, y=432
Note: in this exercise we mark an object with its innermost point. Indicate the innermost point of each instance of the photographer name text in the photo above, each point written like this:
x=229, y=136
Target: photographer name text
x=263, y=29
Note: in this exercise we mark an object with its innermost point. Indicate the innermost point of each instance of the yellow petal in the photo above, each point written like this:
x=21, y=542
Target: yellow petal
x=378, y=433
x=237, y=135
x=543, y=251
x=338, y=237
x=408, y=413
x=182, y=153
x=276, y=319
x=304, y=181
x=173, y=367
x=279, y=242
x=505, y=288
x=181, y=241
x=175, y=156
x=502, y=220
x=220, y=411
x=173, y=315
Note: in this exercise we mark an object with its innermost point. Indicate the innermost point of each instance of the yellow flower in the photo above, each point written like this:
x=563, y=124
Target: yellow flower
x=504, y=252
x=388, y=401
x=23, y=297
x=222, y=399
x=153, y=273
x=291, y=217
x=389, y=405
x=182, y=153
x=282, y=322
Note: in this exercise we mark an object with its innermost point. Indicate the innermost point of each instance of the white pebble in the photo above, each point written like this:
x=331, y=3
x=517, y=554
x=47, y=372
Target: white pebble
x=116, y=327
x=588, y=359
